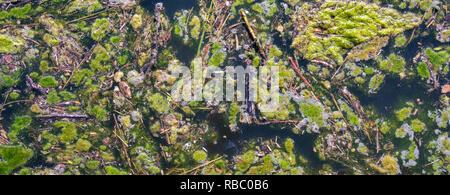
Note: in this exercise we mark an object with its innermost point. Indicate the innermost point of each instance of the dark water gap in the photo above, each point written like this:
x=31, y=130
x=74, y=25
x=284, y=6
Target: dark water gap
x=171, y=6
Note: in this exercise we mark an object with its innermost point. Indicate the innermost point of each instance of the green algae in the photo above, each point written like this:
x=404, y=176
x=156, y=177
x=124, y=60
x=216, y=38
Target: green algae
x=9, y=80
x=94, y=164
x=99, y=29
x=123, y=41
x=20, y=123
x=68, y=131
x=87, y=6
x=48, y=81
x=110, y=170
x=52, y=97
x=83, y=145
x=375, y=82
x=14, y=95
x=338, y=27
x=394, y=63
x=423, y=71
x=10, y=44
x=400, y=40
x=158, y=103
x=417, y=125
x=437, y=59
x=390, y=165
x=13, y=157
x=99, y=112
x=367, y=50
x=199, y=156
x=313, y=112
x=244, y=161
x=403, y=113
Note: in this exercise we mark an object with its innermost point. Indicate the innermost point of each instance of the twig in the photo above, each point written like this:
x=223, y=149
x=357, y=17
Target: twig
x=79, y=65
x=252, y=34
x=322, y=62
x=34, y=86
x=200, y=166
x=337, y=71
x=63, y=116
x=204, y=29
x=297, y=70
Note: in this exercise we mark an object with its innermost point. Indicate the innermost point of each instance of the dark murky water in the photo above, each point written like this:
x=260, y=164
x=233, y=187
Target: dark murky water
x=394, y=91
x=171, y=6
x=233, y=143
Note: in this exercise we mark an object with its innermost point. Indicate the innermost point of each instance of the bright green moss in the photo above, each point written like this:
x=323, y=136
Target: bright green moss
x=115, y=40
x=376, y=81
x=99, y=112
x=93, y=164
x=244, y=161
x=67, y=96
x=48, y=81
x=99, y=63
x=403, y=113
x=367, y=50
x=233, y=113
x=369, y=70
x=155, y=128
x=14, y=95
x=158, y=103
x=21, y=123
x=425, y=5
x=313, y=112
x=336, y=27
x=13, y=157
x=9, y=80
x=217, y=58
x=437, y=59
x=394, y=63
x=25, y=171
x=34, y=75
x=50, y=40
x=17, y=12
x=384, y=128
x=423, y=71
x=257, y=8
x=68, y=131
x=353, y=118
x=417, y=125
x=44, y=66
x=122, y=59
x=313, y=68
x=289, y=145
x=136, y=21
x=199, y=156
x=107, y=156
x=110, y=170
x=390, y=164
x=83, y=145
x=81, y=75
x=400, y=40
x=10, y=45
x=52, y=97
x=195, y=26
x=100, y=28
x=88, y=6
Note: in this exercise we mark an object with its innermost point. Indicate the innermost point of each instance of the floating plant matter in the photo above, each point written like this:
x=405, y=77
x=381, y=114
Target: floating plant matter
x=127, y=87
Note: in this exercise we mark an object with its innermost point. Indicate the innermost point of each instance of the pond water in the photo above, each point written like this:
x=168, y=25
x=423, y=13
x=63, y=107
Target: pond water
x=393, y=92
x=189, y=126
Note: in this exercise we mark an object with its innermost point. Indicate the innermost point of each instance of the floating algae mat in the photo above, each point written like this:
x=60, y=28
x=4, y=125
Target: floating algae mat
x=224, y=87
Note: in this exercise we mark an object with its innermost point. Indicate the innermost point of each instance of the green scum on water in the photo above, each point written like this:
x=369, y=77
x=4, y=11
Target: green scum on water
x=85, y=87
